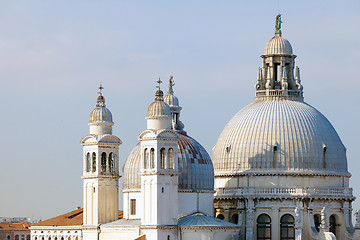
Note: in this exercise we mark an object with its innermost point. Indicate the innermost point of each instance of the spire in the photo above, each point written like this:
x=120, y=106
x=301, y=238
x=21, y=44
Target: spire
x=259, y=84
x=100, y=102
x=297, y=79
x=284, y=79
x=159, y=94
x=278, y=25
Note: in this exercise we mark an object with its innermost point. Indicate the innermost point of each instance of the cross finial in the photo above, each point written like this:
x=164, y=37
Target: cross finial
x=159, y=82
x=101, y=88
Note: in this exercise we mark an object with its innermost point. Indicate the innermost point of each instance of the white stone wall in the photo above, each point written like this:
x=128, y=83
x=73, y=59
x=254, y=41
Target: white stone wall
x=127, y=196
x=209, y=234
x=110, y=233
x=56, y=233
x=189, y=201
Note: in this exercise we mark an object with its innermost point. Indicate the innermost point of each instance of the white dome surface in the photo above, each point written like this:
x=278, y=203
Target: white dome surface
x=278, y=45
x=281, y=135
x=195, y=166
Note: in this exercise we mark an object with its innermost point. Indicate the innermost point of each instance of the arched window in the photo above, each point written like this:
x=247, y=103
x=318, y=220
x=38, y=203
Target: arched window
x=168, y=238
x=146, y=158
x=49, y=238
x=263, y=227
x=111, y=162
x=317, y=222
x=16, y=237
x=94, y=162
x=171, y=158
x=287, y=227
x=220, y=216
x=332, y=222
x=162, y=158
x=27, y=237
x=88, y=162
x=234, y=218
x=103, y=162
x=8, y=237
x=152, y=158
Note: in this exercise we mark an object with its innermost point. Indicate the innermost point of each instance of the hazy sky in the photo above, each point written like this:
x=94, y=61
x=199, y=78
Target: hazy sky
x=54, y=54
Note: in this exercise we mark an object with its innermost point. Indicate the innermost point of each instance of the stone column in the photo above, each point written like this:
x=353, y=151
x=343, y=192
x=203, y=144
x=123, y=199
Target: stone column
x=275, y=223
x=299, y=213
x=250, y=219
x=226, y=213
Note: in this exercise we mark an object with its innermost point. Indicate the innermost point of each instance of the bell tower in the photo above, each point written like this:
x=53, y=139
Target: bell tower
x=159, y=171
x=100, y=171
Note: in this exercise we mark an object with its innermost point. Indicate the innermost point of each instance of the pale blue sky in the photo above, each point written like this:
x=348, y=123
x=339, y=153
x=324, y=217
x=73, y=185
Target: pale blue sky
x=53, y=55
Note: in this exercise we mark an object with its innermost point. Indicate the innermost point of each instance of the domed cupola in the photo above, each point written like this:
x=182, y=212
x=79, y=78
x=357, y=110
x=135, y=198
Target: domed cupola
x=196, y=171
x=278, y=131
x=158, y=108
x=170, y=98
x=100, y=120
x=173, y=102
x=276, y=77
x=158, y=113
x=278, y=44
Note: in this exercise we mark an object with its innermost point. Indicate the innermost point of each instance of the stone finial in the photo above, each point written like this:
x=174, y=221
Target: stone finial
x=357, y=218
x=297, y=79
x=268, y=79
x=284, y=80
x=259, y=79
x=323, y=222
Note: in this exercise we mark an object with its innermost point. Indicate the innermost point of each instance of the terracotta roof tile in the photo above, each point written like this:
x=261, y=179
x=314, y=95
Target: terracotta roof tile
x=15, y=227
x=73, y=218
x=143, y=237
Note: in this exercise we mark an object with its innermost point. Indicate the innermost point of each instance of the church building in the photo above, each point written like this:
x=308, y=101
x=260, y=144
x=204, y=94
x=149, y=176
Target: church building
x=278, y=171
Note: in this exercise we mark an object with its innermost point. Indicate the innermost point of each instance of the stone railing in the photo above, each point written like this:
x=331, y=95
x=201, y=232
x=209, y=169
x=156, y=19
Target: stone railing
x=275, y=93
x=284, y=192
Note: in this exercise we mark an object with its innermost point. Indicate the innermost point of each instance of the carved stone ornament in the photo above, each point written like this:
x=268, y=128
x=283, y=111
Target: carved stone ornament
x=357, y=218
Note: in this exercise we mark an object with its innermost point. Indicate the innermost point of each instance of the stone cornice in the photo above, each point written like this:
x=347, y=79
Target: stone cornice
x=284, y=193
x=293, y=173
x=168, y=227
x=180, y=191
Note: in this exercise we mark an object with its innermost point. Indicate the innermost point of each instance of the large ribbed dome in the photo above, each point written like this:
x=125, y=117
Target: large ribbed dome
x=279, y=135
x=195, y=166
x=278, y=45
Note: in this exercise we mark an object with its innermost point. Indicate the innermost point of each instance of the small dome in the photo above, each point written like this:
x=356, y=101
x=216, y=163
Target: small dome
x=278, y=45
x=158, y=108
x=195, y=166
x=100, y=113
x=171, y=100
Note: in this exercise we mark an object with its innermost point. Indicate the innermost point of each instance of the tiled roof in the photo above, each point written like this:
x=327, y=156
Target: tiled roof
x=73, y=218
x=15, y=227
x=143, y=237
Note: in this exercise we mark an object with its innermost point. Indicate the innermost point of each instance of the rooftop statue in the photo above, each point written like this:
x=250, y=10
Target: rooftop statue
x=278, y=23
